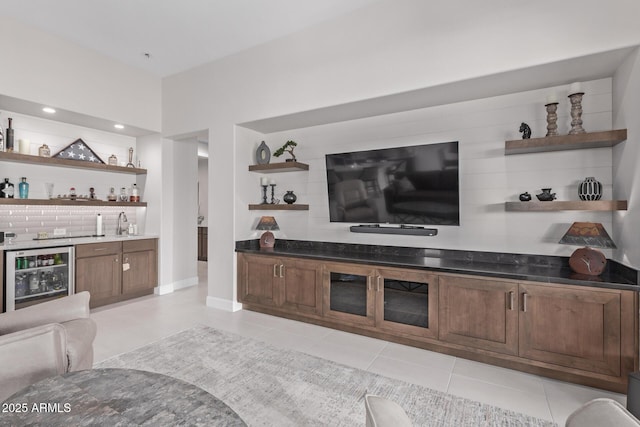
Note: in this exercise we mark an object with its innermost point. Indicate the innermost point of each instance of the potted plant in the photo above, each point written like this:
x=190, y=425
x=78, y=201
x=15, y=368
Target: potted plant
x=288, y=146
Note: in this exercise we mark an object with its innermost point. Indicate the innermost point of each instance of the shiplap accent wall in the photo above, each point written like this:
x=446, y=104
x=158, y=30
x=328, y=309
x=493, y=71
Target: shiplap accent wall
x=26, y=221
x=488, y=178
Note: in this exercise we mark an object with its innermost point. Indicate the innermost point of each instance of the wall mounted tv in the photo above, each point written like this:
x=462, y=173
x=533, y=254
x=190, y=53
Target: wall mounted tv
x=404, y=185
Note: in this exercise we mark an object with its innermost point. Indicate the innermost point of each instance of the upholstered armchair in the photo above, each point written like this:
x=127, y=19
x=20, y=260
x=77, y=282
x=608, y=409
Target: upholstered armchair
x=44, y=340
x=353, y=202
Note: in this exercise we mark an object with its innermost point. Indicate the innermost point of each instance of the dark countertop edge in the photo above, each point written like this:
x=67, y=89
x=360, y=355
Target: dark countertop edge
x=251, y=246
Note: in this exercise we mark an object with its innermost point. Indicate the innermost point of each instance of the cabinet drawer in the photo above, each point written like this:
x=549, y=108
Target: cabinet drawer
x=139, y=245
x=98, y=249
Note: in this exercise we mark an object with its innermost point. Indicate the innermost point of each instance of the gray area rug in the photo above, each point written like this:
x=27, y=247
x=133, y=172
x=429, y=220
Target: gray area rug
x=268, y=386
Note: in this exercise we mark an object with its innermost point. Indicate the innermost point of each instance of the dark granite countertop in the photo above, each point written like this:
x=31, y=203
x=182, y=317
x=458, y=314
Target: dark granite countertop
x=537, y=268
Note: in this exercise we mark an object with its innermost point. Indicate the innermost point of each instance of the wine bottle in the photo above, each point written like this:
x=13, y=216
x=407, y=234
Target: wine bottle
x=9, y=137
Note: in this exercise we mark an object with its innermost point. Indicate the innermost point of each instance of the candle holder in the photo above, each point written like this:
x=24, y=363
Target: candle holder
x=576, y=113
x=273, y=199
x=552, y=118
x=264, y=194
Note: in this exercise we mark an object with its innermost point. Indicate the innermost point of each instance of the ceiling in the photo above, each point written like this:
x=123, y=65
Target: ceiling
x=177, y=34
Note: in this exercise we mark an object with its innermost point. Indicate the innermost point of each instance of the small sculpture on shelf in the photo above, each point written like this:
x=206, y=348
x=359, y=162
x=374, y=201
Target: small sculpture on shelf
x=525, y=197
x=526, y=130
x=288, y=146
x=546, y=195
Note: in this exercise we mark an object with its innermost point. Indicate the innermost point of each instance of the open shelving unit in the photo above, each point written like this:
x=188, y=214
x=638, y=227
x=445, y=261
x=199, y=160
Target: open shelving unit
x=74, y=164
x=279, y=167
x=571, y=205
x=64, y=202
x=279, y=207
x=565, y=142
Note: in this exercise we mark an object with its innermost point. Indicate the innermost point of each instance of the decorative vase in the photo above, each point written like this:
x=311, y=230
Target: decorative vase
x=263, y=154
x=546, y=195
x=590, y=189
x=289, y=197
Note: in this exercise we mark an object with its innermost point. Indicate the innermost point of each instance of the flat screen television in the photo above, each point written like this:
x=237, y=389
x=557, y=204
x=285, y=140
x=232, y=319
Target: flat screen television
x=404, y=185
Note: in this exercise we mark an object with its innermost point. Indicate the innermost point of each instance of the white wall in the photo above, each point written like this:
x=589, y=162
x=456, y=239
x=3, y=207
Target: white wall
x=203, y=194
x=43, y=68
x=488, y=178
x=388, y=48
x=626, y=160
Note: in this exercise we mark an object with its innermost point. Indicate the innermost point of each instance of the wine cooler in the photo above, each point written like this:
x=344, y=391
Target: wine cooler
x=38, y=275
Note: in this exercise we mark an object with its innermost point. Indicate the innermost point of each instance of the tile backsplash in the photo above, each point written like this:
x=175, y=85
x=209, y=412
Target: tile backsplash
x=27, y=220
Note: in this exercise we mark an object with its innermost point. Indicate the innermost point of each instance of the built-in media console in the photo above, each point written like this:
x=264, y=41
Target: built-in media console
x=412, y=230
x=526, y=312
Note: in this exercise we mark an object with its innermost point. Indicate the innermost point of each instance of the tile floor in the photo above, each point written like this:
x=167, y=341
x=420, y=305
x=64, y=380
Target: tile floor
x=125, y=326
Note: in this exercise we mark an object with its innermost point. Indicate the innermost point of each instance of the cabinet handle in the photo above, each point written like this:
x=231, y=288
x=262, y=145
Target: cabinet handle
x=511, y=300
x=274, y=270
x=368, y=283
x=378, y=280
x=99, y=249
x=115, y=260
x=524, y=302
x=281, y=270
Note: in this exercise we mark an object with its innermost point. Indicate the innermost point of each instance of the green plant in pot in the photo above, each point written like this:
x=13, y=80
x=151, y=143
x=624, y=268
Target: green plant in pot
x=288, y=147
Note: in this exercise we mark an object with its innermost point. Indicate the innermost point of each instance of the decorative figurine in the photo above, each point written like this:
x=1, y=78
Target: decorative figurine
x=526, y=130
x=288, y=146
x=525, y=197
x=130, y=164
x=92, y=193
x=546, y=195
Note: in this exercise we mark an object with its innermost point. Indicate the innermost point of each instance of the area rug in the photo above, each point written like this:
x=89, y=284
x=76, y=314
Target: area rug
x=269, y=386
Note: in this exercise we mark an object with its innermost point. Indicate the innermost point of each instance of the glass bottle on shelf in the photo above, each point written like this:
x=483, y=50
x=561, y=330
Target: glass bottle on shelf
x=123, y=195
x=23, y=188
x=135, y=196
x=112, y=195
x=6, y=189
x=34, y=283
x=44, y=151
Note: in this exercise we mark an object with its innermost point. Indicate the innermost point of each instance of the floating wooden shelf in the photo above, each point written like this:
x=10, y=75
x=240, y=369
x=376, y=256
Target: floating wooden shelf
x=279, y=207
x=279, y=167
x=54, y=161
x=572, y=205
x=565, y=142
x=60, y=202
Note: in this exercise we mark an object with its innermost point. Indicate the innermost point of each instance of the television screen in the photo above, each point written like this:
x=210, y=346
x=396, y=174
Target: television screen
x=404, y=185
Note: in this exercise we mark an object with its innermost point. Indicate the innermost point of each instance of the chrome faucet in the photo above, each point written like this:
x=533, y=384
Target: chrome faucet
x=122, y=218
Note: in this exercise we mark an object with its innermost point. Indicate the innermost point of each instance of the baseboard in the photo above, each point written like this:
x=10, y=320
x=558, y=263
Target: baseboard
x=170, y=287
x=223, y=304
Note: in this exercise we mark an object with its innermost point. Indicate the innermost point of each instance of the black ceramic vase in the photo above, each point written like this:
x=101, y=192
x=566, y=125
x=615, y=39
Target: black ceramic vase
x=525, y=197
x=590, y=189
x=289, y=197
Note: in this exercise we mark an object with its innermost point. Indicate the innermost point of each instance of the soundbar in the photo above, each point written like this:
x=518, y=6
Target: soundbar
x=403, y=229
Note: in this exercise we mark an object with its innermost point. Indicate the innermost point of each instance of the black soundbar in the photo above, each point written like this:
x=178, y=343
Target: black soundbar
x=403, y=229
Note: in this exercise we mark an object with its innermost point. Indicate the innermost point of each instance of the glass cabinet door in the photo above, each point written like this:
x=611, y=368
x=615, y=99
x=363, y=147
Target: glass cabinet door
x=348, y=293
x=407, y=302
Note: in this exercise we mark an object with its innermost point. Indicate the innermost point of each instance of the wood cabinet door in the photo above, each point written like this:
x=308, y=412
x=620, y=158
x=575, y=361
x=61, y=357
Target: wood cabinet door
x=573, y=327
x=348, y=294
x=479, y=313
x=139, y=271
x=407, y=302
x=258, y=276
x=101, y=276
x=300, y=285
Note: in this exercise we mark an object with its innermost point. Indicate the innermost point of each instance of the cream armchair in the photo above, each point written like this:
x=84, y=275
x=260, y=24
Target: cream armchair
x=44, y=340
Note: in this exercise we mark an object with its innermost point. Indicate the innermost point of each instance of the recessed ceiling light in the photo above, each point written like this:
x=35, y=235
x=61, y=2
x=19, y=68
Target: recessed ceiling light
x=49, y=110
x=118, y=126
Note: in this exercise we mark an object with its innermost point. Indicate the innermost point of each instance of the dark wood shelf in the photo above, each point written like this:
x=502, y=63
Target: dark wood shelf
x=279, y=167
x=279, y=207
x=565, y=142
x=59, y=202
x=571, y=205
x=77, y=164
